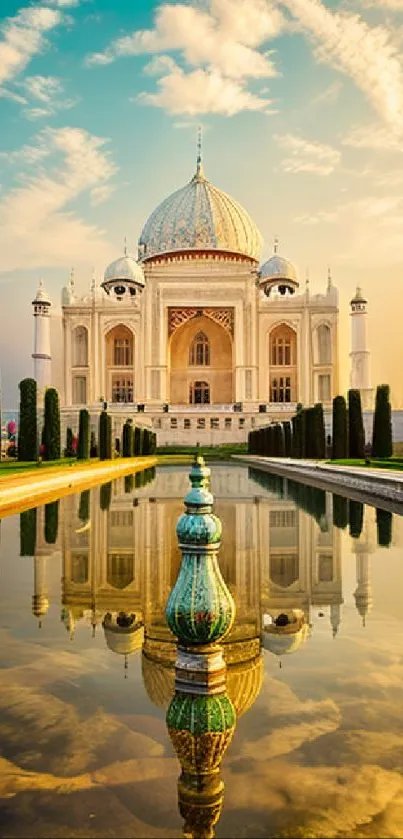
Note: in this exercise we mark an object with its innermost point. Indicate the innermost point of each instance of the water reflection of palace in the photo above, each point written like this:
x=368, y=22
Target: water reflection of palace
x=120, y=561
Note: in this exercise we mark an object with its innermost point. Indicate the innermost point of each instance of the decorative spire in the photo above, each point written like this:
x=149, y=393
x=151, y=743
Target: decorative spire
x=199, y=165
x=275, y=248
x=307, y=280
x=329, y=278
x=71, y=280
x=125, y=247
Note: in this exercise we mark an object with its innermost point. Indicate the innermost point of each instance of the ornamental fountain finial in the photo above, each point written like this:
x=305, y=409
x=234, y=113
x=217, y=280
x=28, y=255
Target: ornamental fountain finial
x=200, y=612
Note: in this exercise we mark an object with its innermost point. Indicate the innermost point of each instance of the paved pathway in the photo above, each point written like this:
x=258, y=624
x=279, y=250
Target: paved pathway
x=22, y=490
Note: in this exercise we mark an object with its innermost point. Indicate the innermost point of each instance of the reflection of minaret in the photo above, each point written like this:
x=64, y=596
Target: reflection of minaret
x=40, y=602
x=335, y=617
x=363, y=592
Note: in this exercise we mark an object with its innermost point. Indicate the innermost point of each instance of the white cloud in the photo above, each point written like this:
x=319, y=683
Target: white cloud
x=366, y=54
x=201, y=92
x=37, y=226
x=61, y=4
x=375, y=137
x=218, y=46
x=223, y=39
x=307, y=155
x=23, y=36
x=47, y=90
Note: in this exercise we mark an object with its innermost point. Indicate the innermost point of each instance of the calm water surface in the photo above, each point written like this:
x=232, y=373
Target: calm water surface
x=318, y=747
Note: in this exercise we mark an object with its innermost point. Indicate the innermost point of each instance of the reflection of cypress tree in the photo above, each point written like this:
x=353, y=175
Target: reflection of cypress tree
x=28, y=532
x=384, y=527
x=129, y=483
x=355, y=518
x=340, y=511
x=51, y=522
x=84, y=506
x=105, y=496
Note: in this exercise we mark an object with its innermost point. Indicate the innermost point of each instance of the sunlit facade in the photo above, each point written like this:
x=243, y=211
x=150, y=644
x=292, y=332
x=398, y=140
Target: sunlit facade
x=195, y=333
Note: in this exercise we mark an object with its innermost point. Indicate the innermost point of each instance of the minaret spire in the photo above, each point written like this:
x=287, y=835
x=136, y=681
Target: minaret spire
x=329, y=278
x=199, y=165
x=275, y=247
x=125, y=247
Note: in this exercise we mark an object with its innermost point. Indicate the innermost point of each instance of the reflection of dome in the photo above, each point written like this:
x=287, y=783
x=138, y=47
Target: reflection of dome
x=244, y=672
x=123, y=636
x=199, y=217
x=40, y=605
x=278, y=268
x=286, y=633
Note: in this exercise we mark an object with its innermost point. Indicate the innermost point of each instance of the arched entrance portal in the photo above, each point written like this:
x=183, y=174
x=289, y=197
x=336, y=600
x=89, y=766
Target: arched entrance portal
x=201, y=363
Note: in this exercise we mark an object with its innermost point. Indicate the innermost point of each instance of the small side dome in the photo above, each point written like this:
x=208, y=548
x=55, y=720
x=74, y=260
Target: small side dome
x=280, y=273
x=124, y=277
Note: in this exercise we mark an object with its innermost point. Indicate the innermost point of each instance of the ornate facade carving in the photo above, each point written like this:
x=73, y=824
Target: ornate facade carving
x=223, y=316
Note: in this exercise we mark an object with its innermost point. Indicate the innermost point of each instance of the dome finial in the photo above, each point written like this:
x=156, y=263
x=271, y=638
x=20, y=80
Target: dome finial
x=125, y=247
x=329, y=277
x=199, y=165
x=275, y=247
x=71, y=279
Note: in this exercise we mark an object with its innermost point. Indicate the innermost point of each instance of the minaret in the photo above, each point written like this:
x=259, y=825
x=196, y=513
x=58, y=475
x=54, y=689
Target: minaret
x=360, y=373
x=42, y=353
x=362, y=547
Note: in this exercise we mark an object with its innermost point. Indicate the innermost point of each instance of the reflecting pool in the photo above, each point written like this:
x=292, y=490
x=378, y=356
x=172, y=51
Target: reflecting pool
x=314, y=662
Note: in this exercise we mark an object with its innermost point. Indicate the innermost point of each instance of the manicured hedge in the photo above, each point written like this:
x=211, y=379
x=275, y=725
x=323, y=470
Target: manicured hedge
x=356, y=436
x=340, y=429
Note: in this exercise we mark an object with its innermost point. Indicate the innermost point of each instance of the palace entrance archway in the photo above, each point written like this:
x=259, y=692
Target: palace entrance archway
x=201, y=369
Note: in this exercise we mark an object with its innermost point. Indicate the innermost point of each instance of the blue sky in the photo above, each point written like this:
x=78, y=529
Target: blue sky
x=301, y=104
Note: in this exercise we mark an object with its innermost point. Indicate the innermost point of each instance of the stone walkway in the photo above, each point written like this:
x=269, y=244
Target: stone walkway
x=359, y=483
x=40, y=485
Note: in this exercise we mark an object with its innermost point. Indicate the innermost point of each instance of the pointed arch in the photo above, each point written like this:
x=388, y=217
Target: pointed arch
x=199, y=353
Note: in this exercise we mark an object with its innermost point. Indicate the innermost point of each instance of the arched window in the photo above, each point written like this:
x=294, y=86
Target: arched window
x=199, y=393
x=120, y=572
x=122, y=352
x=80, y=347
x=200, y=351
x=324, y=344
x=122, y=389
x=281, y=351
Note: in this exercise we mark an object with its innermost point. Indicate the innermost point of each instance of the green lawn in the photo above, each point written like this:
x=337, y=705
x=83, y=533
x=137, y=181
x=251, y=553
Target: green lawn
x=386, y=463
x=186, y=453
x=8, y=467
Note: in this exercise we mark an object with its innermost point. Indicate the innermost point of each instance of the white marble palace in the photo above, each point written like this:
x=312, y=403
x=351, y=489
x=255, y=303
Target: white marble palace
x=195, y=334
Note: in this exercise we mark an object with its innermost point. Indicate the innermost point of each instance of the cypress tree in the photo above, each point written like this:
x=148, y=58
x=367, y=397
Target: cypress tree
x=382, y=432
x=105, y=436
x=319, y=432
x=340, y=511
x=28, y=532
x=129, y=483
x=93, y=445
x=51, y=427
x=146, y=441
x=356, y=436
x=279, y=440
x=83, y=450
x=355, y=518
x=340, y=429
x=267, y=446
x=308, y=415
x=105, y=496
x=84, y=506
x=28, y=428
x=51, y=522
x=250, y=437
x=384, y=528
x=138, y=441
x=127, y=439
x=287, y=438
x=68, y=452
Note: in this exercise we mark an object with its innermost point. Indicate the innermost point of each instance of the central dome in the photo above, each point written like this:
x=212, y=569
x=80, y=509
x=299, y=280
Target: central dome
x=200, y=217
